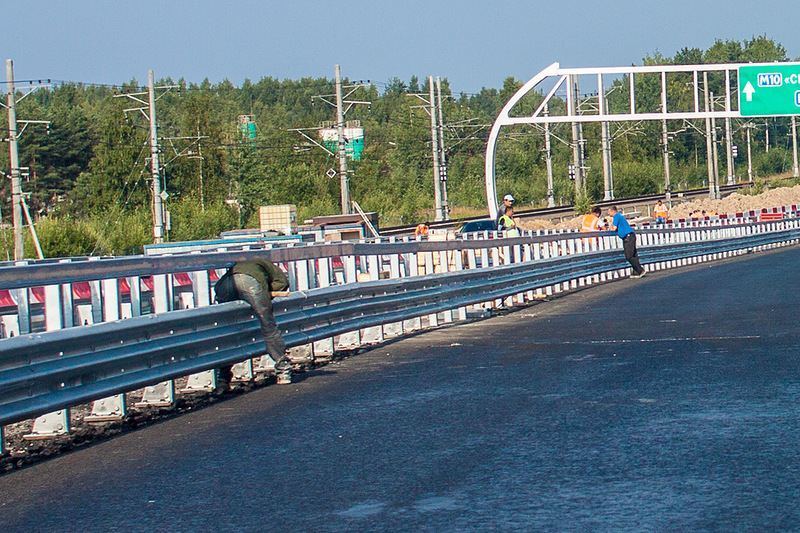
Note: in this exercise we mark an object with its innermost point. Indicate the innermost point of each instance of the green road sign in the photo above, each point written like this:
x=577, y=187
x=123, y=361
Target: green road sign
x=769, y=90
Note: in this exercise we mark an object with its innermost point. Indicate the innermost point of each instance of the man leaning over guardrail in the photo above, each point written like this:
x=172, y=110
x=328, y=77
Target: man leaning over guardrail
x=255, y=281
x=625, y=232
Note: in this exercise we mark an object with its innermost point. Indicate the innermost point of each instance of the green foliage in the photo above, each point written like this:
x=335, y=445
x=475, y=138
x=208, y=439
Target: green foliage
x=190, y=222
x=121, y=232
x=776, y=161
x=758, y=186
x=90, y=177
x=62, y=237
x=583, y=204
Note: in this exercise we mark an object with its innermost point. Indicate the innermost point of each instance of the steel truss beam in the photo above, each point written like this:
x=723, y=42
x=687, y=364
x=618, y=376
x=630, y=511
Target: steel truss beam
x=563, y=78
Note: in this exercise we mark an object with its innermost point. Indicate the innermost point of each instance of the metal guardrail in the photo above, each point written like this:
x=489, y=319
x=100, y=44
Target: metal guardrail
x=43, y=372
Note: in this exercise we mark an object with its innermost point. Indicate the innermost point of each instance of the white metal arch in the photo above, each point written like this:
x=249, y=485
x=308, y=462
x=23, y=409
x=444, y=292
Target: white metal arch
x=699, y=109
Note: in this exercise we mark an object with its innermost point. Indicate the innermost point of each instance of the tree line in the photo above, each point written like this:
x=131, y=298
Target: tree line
x=88, y=176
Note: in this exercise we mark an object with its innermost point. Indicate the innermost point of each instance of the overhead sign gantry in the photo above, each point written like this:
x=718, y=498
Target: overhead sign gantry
x=771, y=89
x=748, y=90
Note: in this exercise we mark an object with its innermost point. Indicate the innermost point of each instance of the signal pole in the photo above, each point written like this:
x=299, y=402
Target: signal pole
x=442, y=158
x=437, y=150
x=437, y=184
x=155, y=170
x=158, y=208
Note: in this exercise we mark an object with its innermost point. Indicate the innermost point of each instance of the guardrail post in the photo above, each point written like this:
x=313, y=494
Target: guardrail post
x=428, y=267
x=458, y=259
x=205, y=381
x=23, y=306
x=53, y=311
x=412, y=262
x=67, y=308
x=113, y=407
x=395, y=329
x=558, y=251
x=162, y=394
x=302, y=354
x=536, y=248
x=324, y=348
x=445, y=266
x=516, y=251
x=352, y=339
x=374, y=334
x=526, y=257
x=134, y=282
x=55, y=423
x=546, y=249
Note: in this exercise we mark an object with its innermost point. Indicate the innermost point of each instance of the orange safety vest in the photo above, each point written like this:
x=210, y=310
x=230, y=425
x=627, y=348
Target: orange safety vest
x=590, y=223
x=660, y=211
x=421, y=229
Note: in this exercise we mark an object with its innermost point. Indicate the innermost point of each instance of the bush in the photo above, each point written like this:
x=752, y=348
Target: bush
x=62, y=237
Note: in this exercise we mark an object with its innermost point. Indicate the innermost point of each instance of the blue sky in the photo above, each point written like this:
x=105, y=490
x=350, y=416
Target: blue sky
x=473, y=43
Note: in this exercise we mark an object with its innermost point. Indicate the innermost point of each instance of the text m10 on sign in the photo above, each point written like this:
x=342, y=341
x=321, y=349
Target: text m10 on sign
x=770, y=80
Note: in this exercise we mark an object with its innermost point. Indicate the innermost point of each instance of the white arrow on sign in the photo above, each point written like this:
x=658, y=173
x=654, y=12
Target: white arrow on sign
x=748, y=91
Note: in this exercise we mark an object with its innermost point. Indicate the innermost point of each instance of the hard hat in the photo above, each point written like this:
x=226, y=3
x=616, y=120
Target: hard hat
x=508, y=197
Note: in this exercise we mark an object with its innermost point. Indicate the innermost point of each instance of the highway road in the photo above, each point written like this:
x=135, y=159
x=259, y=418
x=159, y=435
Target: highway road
x=668, y=403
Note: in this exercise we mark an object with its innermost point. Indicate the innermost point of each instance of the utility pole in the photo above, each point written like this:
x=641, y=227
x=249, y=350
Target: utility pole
x=437, y=150
x=729, y=152
x=709, y=142
x=437, y=184
x=442, y=157
x=577, y=138
x=342, y=104
x=548, y=158
x=795, y=170
x=17, y=198
x=16, y=181
x=149, y=111
x=605, y=141
x=748, y=127
x=665, y=146
x=343, y=179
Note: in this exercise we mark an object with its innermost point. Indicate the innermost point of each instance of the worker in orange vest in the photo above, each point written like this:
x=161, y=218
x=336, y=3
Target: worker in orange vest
x=592, y=221
x=660, y=213
x=421, y=229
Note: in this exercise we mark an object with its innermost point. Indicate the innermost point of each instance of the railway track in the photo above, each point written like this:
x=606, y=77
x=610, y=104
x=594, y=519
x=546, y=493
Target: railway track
x=568, y=211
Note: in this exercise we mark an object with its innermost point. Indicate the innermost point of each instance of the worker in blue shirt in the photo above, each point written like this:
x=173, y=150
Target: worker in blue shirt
x=625, y=232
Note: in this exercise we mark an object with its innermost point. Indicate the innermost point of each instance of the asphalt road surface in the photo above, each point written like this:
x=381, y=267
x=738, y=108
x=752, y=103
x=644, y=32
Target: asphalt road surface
x=668, y=403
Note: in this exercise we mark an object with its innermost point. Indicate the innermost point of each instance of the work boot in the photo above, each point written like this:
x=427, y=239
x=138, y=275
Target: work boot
x=284, y=376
